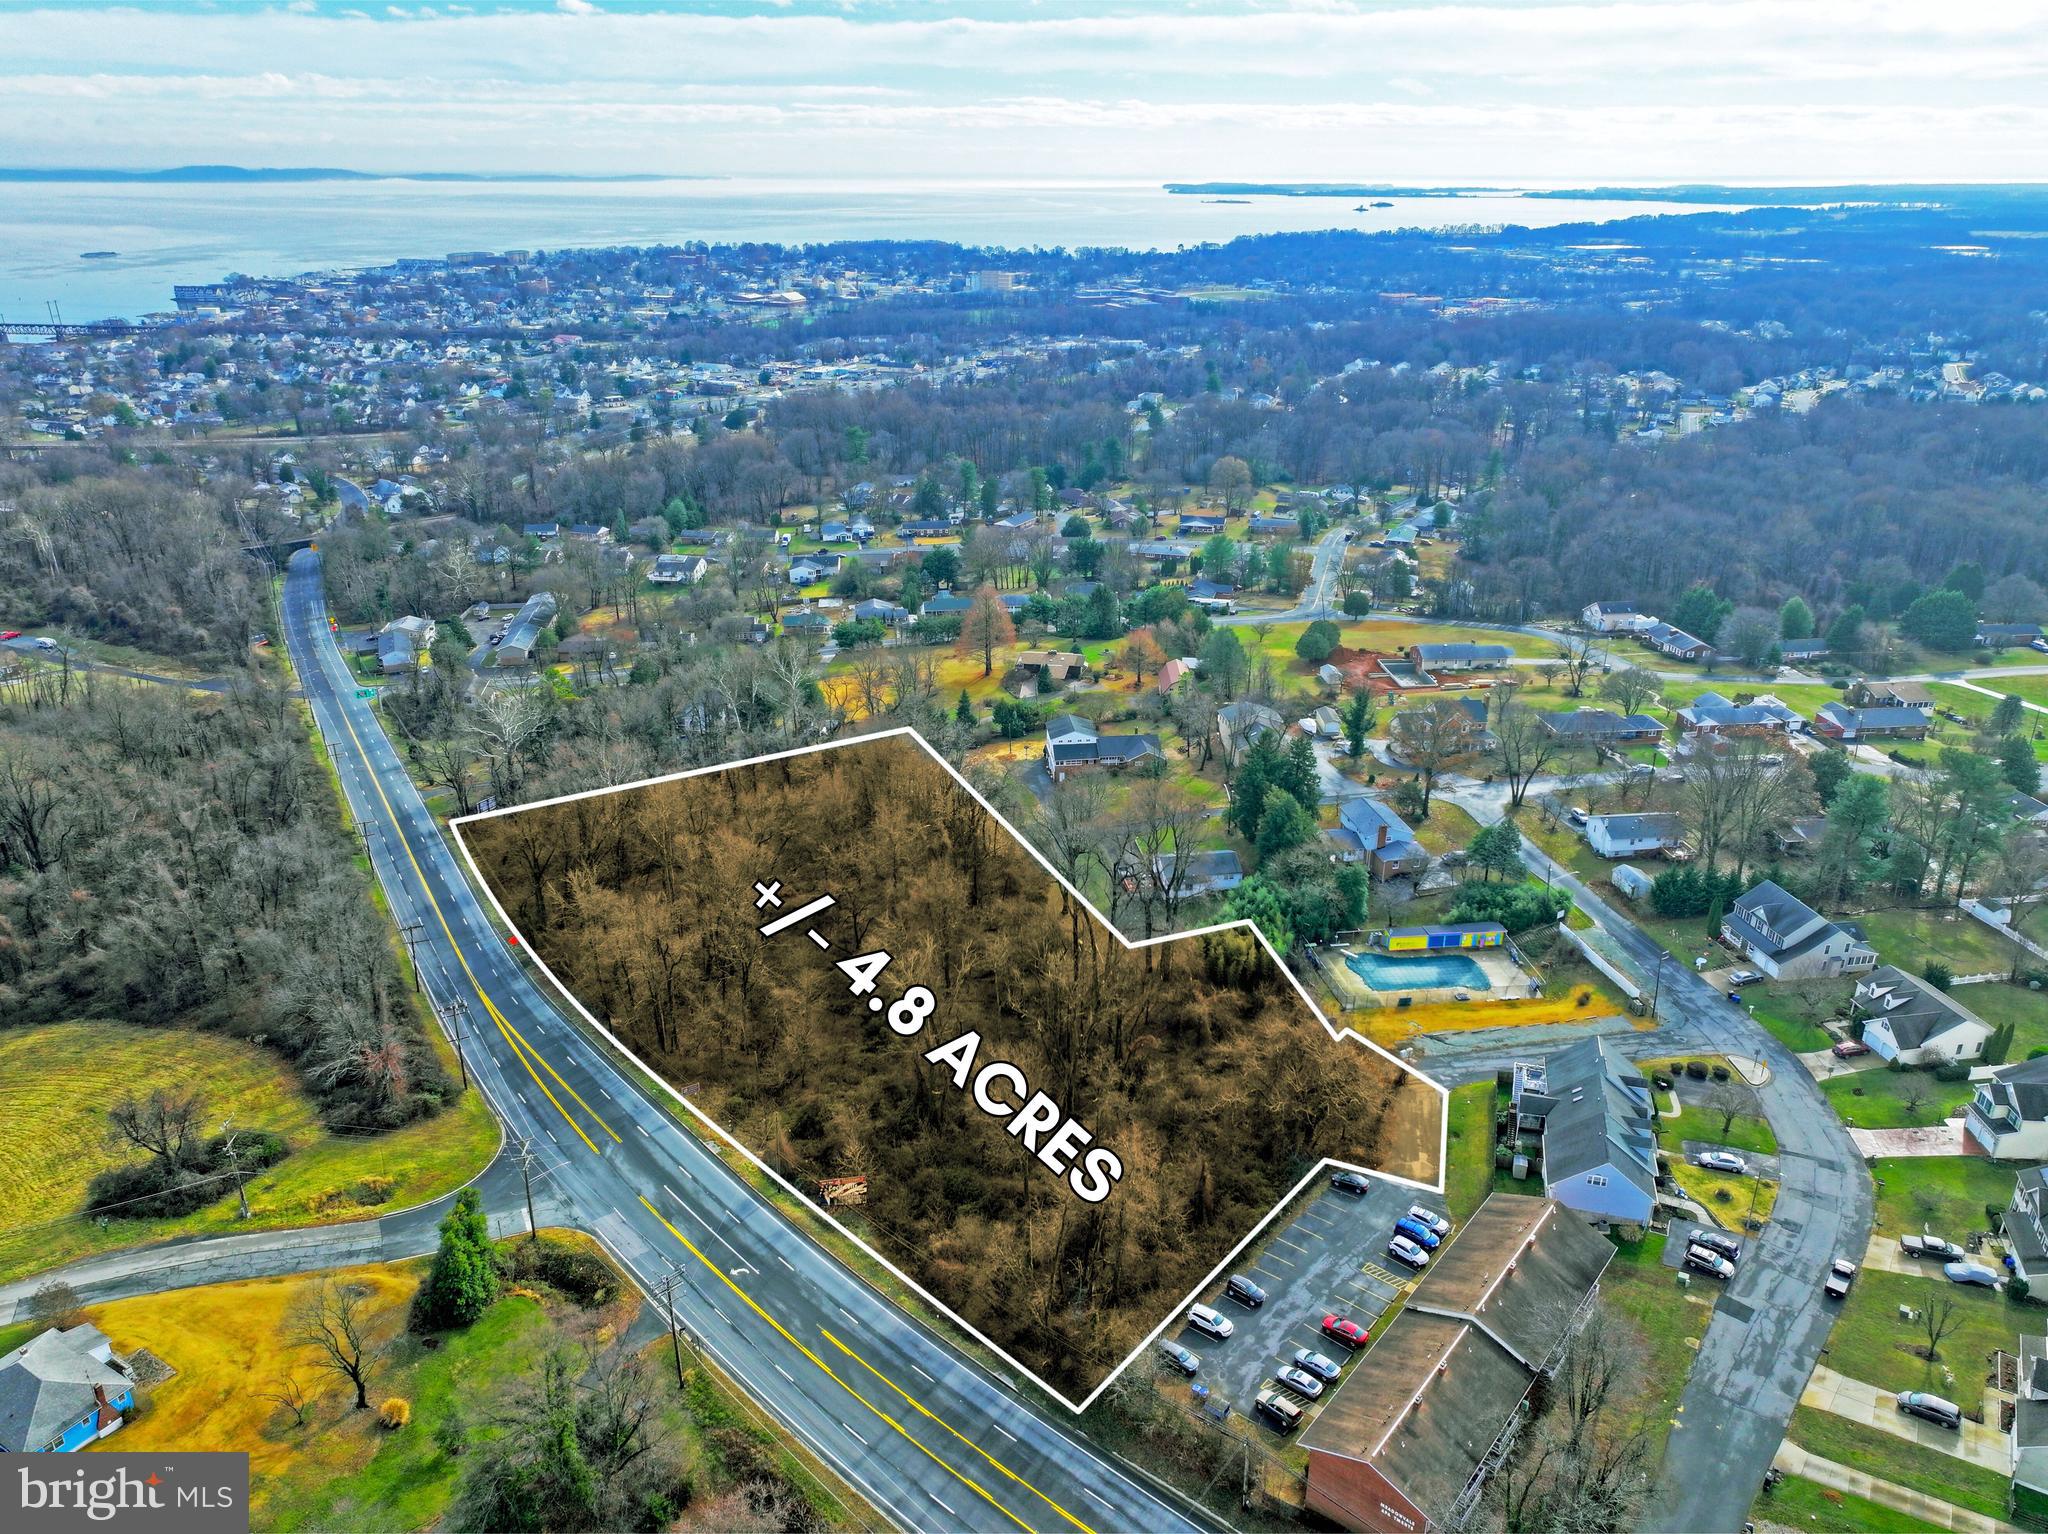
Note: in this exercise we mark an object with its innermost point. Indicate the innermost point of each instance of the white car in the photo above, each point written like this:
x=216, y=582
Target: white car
x=1723, y=1161
x=1404, y=1250
x=1434, y=1221
x=1212, y=1323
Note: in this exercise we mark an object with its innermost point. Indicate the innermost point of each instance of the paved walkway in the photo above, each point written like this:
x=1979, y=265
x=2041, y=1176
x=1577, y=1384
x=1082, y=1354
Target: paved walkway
x=1945, y=1139
x=1978, y=1442
x=1794, y=1460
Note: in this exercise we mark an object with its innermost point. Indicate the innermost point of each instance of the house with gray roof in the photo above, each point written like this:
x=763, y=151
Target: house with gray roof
x=2007, y=1118
x=1712, y=714
x=1183, y=877
x=1788, y=940
x=524, y=631
x=1840, y=721
x=1601, y=726
x=1626, y=836
x=1435, y=658
x=1074, y=744
x=1906, y=1019
x=2029, y=1468
x=1390, y=847
x=62, y=1391
x=1599, y=1130
x=2025, y=1223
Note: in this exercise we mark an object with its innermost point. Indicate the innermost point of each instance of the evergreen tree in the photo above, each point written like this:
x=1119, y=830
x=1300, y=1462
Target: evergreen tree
x=1248, y=789
x=1795, y=619
x=1318, y=641
x=1357, y=720
x=1941, y=620
x=964, y=709
x=463, y=1280
x=1283, y=823
x=2018, y=765
x=1299, y=775
x=1830, y=770
x=1700, y=612
x=1845, y=634
x=2006, y=716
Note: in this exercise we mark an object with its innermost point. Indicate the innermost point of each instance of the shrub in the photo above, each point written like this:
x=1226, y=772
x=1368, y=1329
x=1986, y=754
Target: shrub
x=1696, y=1069
x=1720, y=1073
x=2017, y=1288
x=395, y=1413
x=373, y=1190
x=1952, y=1070
x=583, y=1276
x=1937, y=974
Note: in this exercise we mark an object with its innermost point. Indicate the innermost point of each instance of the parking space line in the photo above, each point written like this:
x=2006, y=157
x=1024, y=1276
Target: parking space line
x=1283, y=1241
x=1269, y=1257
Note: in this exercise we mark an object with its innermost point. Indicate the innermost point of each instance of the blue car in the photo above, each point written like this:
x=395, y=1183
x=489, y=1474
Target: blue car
x=1421, y=1234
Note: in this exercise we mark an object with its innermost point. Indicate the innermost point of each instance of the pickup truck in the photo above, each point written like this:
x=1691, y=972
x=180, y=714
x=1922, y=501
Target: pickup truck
x=1841, y=1274
x=1931, y=1247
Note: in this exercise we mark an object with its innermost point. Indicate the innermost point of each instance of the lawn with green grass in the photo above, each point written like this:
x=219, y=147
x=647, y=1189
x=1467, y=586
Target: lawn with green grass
x=1882, y=1098
x=1872, y=1344
x=1999, y=1003
x=1899, y=1460
x=1940, y=1195
x=1671, y=1321
x=1793, y=1011
x=1797, y=1503
x=1909, y=937
x=1469, y=1176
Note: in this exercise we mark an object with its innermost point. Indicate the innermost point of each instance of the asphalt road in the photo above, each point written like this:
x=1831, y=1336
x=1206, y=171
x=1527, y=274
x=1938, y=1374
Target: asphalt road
x=933, y=1441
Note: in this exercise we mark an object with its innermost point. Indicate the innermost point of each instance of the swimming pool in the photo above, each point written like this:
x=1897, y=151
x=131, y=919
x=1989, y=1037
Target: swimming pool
x=1425, y=971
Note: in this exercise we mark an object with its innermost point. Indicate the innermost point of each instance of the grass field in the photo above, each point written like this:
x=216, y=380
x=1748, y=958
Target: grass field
x=1797, y=1503
x=1999, y=1003
x=1734, y=1199
x=57, y=1082
x=1670, y=1319
x=1900, y=1461
x=1468, y=1175
x=1871, y=1343
x=1793, y=1012
x=1976, y=708
x=1745, y=1132
x=1945, y=1195
x=1908, y=938
x=1882, y=1099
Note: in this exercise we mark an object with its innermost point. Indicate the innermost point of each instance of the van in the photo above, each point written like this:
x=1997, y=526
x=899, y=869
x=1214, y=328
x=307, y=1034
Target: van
x=1704, y=1260
x=1245, y=1292
x=1918, y=1403
x=1717, y=1241
x=1278, y=1410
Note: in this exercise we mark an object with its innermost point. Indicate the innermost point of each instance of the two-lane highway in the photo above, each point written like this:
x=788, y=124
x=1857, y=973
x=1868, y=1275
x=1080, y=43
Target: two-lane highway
x=932, y=1440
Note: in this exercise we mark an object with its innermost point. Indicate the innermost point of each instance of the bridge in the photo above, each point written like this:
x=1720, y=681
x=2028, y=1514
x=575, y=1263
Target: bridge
x=51, y=330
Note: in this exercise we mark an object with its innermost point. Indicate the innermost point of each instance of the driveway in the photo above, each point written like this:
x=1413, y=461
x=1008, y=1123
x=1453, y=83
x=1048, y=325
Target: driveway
x=1930, y=1140
x=1978, y=1442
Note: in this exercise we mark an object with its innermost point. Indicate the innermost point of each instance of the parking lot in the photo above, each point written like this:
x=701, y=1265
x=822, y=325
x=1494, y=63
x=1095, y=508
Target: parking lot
x=1330, y=1258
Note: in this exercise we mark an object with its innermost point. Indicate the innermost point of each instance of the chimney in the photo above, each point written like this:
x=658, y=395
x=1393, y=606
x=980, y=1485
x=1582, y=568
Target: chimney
x=1380, y=837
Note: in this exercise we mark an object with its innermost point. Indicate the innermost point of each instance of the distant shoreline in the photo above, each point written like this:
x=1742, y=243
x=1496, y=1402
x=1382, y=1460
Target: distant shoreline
x=1757, y=196
x=185, y=175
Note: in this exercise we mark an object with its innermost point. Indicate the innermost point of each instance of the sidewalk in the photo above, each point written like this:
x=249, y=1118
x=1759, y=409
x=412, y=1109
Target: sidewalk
x=1845, y=1397
x=1794, y=1460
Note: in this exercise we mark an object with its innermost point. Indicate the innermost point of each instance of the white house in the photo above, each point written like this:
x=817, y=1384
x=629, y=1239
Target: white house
x=2024, y=1227
x=1615, y=617
x=1204, y=873
x=677, y=569
x=1624, y=836
x=2007, y=1119
x=1788, y=940
x=2029, y=1466
x=1599, y=1130
x=1908, y=1020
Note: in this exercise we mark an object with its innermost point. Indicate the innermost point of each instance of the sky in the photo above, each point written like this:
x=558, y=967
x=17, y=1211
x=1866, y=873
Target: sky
x=1431, y=92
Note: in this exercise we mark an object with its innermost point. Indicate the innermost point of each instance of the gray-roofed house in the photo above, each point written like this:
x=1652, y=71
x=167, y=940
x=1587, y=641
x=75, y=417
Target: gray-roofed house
x=1841, y=721
x=2007, y=1117
x=1390, y=847
x=1239, y=725
x=1674, y=642
x=1802, y=834
x=678, y=569
x=1406, y=1440
x=1712, y=714
x=2025, y=1223
x=2030, y=1430
x=1073, y=744
x=1788, y=940
x=945, y=603
x=524, y=631
x=61, y=1391
x=1602, y=726
x=1459, y=656
x=1199, y=873
x=1615, y=617
x=1599, y=1131
x=402, y=644
x=1625, y=836
x=1906, y=1019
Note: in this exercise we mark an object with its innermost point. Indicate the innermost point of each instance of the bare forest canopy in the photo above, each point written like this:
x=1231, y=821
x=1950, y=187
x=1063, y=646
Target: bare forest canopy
x=1216, y=1086
x=178, y=861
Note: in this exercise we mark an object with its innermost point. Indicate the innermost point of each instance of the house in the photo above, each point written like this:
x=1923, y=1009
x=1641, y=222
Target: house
x=1677, y=643
x=524, y=631
x=1615, y=617
x=590, y=532
x=678, y=569
x=1788, y=940
x=1344, y=845
x=1197, y=524
x=1623, y=836
x=1073, y=744
x=2029, y=1448
x=808, y=620
x=1199, y=873
x=546, y=532
x=1998, y=636
x=1216, y=596
x=403, y=643
x=2025, y=807
x=1053, y=665
x=1389, y=846
x=1174, y=672
x=1802, y=652
x=835, y=532
x=2007, y=1118
x=1907, y=1020
x=1239, y=725
x=1407, y=1438
x=1599, y=1130
x=808, y=569
x=1712, y=714
x=945, y=603
x=1262, y=526
x=1603, y=727
x=62, y=1391
x=1801, y=836
x=2025, y=1221
x=875, y=610
x=1869, y=694
x=1435, y=658
x=1840, y=721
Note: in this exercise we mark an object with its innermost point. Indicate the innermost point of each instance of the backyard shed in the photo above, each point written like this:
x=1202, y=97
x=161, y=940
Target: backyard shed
x=1630, y=880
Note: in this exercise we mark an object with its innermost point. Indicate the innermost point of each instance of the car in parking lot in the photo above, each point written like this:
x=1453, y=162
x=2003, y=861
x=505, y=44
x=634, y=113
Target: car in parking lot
x=1278, y=1410
x=1717, y=1241
x=1349, y=1182
x=1705, y=1260
x=1301, y=1382
x=1345, y=1330
x=1849, y=1049
x=1422, y=1235
x=1971, y=1273
x=1429, y=1217
x=1174, y=1356
x=1743, y=977
x=1932, y=1408
x=1401, y=1249
x=1308, y=1358
x=1245, y=1292
x=1723, y=1161
x=1211, y=1323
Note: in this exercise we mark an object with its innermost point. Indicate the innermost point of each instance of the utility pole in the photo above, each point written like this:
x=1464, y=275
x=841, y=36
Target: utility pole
x=411, y=931
x=1657, y=989
x=235, y=1162
x=524, y=1156
x=668, y=1300
x=455, y=1018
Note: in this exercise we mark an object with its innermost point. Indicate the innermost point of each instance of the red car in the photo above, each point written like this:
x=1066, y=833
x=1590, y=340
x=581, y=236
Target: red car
x=1345, y=1330
x=10, y=634
x=1849, y=1048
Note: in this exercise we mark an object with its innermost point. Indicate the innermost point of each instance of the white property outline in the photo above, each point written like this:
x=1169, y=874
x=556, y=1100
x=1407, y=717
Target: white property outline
x=1174, y=1314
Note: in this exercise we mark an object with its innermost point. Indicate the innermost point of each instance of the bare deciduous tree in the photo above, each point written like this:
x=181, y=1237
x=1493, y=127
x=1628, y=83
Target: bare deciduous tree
x=332, y=1320
x=169, y=1125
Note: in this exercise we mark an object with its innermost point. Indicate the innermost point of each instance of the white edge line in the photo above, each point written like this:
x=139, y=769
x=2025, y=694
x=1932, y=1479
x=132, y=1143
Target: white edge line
x=1172, y=1318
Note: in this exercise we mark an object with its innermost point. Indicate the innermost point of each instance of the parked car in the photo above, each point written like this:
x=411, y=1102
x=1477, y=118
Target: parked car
x=1174, y=1356
x=1705, y=1260
x=1401, y=1249
x=7, y=634
x=1212, y=1323
x=1322, y=1368
x=1422, y=1235
x=1744, y=976
x=1849, y=1049
x=1723, y=1161
x=1841, y=1274
x=1345, y=1330
x=1278, y=1410
x=1717, y=1241
x=1245, y=1292
x=2038, y=644
x=1931, y=1246
x=1349, y=1182
x=1971, y=1273
x=1931, y=1408
x=1301, y=1382
x=1429, y=1217
x=46, y=643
